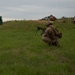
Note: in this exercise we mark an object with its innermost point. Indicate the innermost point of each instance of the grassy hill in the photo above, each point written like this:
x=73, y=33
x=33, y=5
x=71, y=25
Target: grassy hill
x=22, y=52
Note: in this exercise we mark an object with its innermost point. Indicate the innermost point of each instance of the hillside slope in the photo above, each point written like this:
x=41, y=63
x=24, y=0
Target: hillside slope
x=22, y=52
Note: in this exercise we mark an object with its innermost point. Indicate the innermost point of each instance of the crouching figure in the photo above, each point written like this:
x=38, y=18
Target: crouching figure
x=51, y=35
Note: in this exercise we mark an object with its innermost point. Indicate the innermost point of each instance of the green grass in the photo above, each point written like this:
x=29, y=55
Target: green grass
x=22, y=52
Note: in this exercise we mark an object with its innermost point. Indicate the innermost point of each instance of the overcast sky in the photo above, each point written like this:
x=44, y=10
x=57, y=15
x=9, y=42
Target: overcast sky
x=36, y=9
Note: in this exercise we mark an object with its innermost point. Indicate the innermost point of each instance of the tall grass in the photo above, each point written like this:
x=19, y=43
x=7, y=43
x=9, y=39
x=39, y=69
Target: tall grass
x=22, y=52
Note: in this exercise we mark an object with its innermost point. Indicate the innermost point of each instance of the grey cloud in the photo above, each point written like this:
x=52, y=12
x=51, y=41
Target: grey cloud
x=35, y=9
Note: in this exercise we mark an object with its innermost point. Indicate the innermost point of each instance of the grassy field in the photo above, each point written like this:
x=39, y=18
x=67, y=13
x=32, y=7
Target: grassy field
x=22, y=52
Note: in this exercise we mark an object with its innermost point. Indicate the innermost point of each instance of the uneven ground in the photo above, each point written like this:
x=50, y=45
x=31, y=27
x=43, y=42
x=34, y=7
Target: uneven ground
x=22, y=52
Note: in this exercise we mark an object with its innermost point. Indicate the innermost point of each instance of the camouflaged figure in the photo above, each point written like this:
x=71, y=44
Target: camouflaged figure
x=50, y=35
